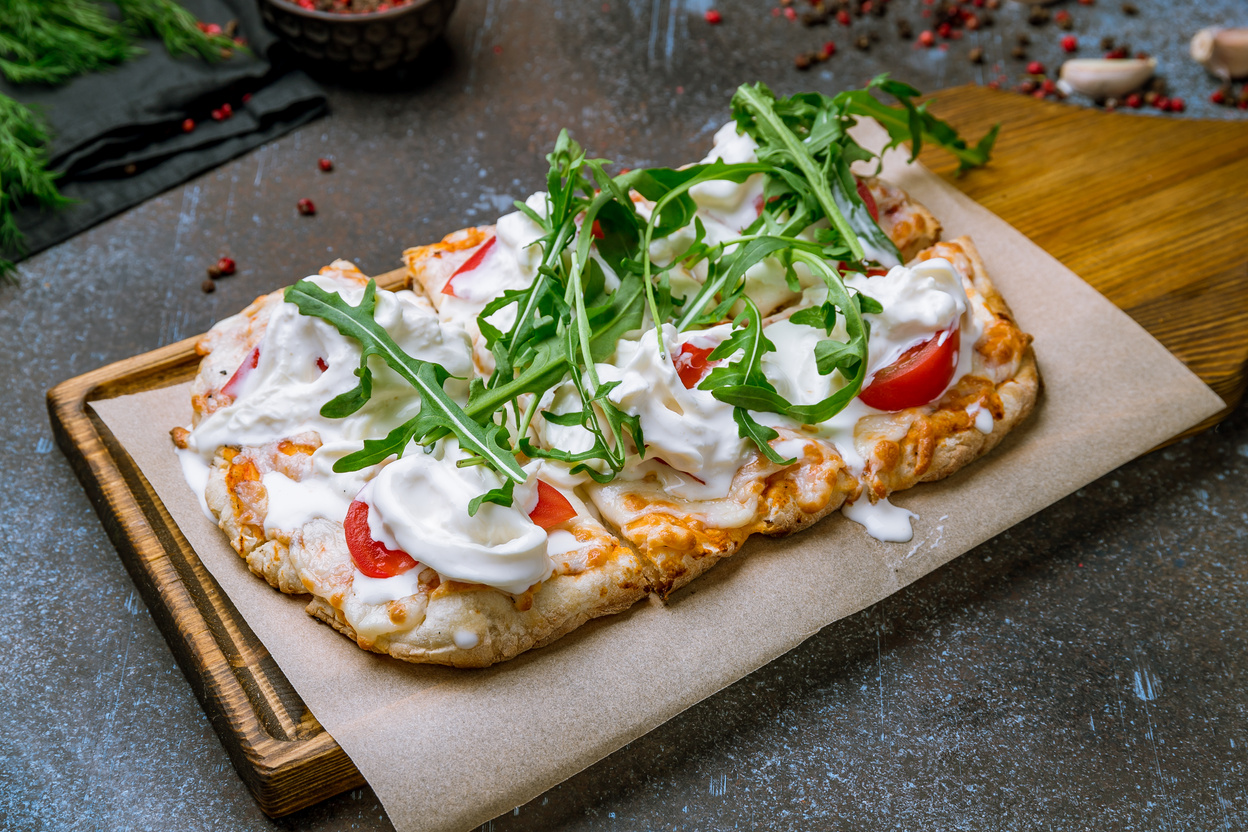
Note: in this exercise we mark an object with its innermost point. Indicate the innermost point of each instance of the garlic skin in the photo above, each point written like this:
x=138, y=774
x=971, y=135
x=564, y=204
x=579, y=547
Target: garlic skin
x=1105, y=77
x=1224, y=52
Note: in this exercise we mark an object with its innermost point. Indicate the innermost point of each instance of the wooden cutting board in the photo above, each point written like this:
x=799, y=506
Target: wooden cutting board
x=1148, y=210
x=1151, y=210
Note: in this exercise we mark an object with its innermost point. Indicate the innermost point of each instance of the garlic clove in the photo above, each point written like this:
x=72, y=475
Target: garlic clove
x=1224, y=52
x=1104, y=77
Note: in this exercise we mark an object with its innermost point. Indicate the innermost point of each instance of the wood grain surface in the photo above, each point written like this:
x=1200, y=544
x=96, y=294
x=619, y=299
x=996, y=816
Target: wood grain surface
x=1146, y=210
x=1149, y=211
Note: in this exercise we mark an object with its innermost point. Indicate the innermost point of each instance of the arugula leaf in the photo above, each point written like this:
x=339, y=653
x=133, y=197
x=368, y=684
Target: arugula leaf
x=755, y=109
x=915, y=124
x=499, y=496
x=437, y=409
x=593, y=237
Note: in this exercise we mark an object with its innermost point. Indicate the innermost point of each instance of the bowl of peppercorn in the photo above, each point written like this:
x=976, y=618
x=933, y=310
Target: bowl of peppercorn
x=357, y=36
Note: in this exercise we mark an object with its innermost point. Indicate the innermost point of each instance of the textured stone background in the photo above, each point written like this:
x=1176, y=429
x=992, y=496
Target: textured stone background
x=1084, y=670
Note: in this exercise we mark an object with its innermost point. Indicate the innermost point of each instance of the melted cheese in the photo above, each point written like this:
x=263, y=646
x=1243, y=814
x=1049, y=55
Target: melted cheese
x=420, y=502
x=688, y=429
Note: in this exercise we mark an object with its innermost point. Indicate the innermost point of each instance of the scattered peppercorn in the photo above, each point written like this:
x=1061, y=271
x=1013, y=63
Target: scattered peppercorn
x=326, y=165
x=306, y=207
x=1135, y=101
x=713, y=17
x=1038, y=16
x=1022, y=39
x=829, y=49
x=976, y=55
x=188, y=124
x=131, y=169
x=1107, y=43
x=817, y=16
x=802, y=61
x=1035, y=68
x=218, y=115
x=1064, y=20
x=1019, y=52
x=926, y=37
x=903, y=30
x=842, y=17
x=1218, y=97
x=208, y=286
x=1130, y=9
x=863, y=42
x=1177, y=105
x=226, y=267
x=1070, y=43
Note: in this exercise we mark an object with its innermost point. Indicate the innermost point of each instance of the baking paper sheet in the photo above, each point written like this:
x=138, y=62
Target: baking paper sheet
x=449, y=749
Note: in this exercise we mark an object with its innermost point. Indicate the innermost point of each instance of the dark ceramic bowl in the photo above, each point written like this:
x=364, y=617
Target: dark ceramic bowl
x=358, y=43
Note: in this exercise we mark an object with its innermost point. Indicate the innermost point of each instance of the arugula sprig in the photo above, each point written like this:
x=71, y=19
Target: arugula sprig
x=437, y=409
x=593, y=235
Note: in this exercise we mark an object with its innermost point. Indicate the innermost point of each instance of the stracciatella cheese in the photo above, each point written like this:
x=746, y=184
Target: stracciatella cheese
x=419, y=503
x=282, y=397
x=688, y=429
x=921, y=302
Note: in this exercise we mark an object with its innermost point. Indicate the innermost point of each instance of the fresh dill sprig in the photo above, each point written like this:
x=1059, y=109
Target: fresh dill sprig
x=24, y=172
x=54, y=41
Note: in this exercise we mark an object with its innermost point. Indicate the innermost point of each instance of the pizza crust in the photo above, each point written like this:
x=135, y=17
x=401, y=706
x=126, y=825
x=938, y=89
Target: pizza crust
x=647, y=541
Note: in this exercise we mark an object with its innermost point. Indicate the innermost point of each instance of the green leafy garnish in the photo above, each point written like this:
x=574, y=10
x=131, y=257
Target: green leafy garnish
x=598, y=282
x=437, y=409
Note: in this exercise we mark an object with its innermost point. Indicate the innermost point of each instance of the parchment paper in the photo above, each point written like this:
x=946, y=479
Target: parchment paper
x=449, y=749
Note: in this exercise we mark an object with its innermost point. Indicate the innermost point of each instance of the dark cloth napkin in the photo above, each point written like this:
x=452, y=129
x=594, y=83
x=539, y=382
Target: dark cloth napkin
x=104, y=123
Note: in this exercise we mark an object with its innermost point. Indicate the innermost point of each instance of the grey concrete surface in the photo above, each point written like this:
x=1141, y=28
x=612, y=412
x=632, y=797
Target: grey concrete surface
x=1085, y=670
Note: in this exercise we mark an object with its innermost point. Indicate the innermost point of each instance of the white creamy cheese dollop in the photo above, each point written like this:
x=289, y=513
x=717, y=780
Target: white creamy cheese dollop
x=420, y=502
x=510, y=263
x=284, y=394
x=689, y=429
x=919, y=301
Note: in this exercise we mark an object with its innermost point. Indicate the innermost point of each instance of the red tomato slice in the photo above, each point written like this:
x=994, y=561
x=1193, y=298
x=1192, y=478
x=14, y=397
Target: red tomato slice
x=234, y=386
x=552, y=507
x=469, y=264
x=596, y=231
x=372, y=557
x=691, y=364
x=919, y=376
x=865, y=193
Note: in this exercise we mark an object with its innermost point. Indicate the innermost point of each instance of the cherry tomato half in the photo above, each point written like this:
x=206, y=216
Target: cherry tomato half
x=865, y=193
x=372, y=557
x=234, y=386
x=469, y=264
x=916, y=378
x=691, y=364
x=552, y=507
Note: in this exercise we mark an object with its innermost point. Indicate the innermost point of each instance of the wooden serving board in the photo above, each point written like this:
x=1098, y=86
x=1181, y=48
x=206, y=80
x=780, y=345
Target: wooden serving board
x=1148, y=210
